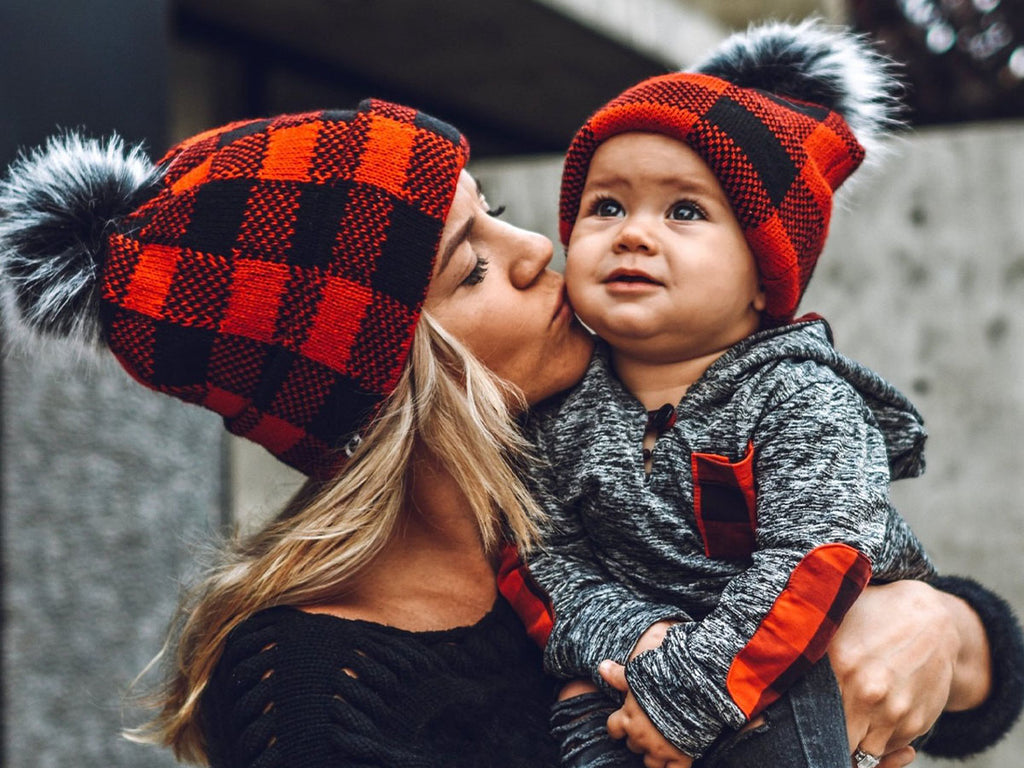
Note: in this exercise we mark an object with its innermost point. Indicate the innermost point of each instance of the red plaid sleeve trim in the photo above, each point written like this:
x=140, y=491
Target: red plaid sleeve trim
x=528, y=600
x=797, y=630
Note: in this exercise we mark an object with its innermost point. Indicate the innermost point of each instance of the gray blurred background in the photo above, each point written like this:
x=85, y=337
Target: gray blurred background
x=107, y=492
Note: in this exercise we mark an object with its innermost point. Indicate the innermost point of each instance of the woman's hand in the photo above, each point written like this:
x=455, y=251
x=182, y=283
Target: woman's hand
x=904, y=653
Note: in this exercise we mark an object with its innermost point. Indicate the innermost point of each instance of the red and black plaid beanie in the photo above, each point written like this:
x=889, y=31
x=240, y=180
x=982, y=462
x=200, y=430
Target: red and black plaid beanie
x=773, y=113
x=273, y=271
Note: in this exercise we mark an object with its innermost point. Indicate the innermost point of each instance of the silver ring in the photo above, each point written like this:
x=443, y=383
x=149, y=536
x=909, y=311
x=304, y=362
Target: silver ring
x=864, y=760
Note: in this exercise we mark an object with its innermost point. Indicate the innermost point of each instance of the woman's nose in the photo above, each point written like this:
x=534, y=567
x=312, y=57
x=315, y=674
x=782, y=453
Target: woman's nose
x=533, y=255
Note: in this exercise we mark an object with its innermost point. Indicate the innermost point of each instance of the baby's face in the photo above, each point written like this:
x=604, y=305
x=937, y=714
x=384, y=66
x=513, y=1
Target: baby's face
x=657, y=263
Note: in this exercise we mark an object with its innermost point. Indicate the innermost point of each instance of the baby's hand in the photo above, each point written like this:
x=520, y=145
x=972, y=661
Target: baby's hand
x=631, y=722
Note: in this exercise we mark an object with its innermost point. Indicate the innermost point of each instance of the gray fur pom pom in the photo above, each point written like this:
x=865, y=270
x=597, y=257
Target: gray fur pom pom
x=811, y=61
x=58, y=204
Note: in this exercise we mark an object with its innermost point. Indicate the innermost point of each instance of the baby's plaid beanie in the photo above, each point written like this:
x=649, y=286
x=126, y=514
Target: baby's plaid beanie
x=270, y=270
x=781, y=114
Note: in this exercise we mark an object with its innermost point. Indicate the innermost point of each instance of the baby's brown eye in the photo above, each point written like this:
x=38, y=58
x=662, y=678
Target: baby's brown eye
x=607, y=207
x=686, y=211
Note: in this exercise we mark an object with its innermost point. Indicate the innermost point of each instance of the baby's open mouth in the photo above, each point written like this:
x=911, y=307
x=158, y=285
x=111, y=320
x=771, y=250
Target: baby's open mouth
x=631, y=277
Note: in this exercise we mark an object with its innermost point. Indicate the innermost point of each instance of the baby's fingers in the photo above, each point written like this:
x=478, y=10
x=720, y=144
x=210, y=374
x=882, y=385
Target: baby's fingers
x=617, y=724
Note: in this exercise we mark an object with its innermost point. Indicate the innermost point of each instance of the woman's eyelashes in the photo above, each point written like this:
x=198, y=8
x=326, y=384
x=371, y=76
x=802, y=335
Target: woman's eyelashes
x=480, y=267
x=477, y=273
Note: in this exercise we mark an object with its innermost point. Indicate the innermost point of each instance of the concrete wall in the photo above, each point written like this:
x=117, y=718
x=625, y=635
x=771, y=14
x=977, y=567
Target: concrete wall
x=106, y=491
x=103, y=485
x=923, y=279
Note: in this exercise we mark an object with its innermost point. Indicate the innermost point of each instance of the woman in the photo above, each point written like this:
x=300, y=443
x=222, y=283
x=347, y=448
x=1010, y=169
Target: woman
x=335, y=286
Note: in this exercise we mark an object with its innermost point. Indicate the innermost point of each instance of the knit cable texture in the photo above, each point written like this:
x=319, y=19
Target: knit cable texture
x=300, y=689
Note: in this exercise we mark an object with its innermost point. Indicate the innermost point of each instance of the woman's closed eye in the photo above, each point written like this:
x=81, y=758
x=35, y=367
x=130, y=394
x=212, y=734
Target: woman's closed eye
x=477, y=273
x=686, y=210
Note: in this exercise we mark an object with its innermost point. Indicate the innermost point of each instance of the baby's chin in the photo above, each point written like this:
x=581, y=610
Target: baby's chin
x=623, y=326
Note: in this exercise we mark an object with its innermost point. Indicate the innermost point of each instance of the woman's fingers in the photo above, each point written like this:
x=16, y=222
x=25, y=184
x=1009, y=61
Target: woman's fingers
x=899, y=758
x=887, y=708
x=893, y=657
x=875, y=743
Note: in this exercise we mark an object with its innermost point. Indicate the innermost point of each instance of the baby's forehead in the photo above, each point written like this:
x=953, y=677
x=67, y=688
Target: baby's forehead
x=650, y=158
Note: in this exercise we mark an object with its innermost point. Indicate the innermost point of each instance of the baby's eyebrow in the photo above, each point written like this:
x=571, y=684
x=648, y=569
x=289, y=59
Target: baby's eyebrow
x=684, y=184
x=697, y=187
x=607, y=180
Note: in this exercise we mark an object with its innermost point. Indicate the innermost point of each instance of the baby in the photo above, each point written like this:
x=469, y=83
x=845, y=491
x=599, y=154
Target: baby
x=721, y=468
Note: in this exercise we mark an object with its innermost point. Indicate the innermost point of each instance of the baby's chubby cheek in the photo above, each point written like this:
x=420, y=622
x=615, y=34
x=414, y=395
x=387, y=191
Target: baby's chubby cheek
x=578, y=294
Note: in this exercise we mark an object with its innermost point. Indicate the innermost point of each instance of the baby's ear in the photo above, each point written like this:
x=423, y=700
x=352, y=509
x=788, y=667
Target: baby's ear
x=760, y=302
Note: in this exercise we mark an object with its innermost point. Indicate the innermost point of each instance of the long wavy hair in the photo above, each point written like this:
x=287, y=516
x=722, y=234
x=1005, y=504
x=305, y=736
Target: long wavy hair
x=447, y=402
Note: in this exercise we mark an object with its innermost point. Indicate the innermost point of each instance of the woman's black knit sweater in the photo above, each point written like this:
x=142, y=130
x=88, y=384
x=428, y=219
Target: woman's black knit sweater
x=301, y=690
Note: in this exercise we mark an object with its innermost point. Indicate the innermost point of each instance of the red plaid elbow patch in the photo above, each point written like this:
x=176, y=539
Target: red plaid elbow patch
x=797, y=630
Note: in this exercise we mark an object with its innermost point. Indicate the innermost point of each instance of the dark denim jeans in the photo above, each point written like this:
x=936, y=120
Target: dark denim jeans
x=806, y=728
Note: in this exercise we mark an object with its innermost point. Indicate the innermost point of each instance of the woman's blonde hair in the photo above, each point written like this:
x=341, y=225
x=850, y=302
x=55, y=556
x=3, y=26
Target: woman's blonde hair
x=447, y=402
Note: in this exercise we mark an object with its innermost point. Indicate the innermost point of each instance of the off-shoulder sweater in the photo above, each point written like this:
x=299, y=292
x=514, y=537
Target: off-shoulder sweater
x=300, y=689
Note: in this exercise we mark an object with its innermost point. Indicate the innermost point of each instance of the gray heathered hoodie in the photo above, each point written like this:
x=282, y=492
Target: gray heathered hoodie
x=625, y=550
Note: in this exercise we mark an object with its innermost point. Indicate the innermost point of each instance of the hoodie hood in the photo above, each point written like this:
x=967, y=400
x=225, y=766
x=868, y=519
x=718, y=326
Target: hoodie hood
x=810, y=339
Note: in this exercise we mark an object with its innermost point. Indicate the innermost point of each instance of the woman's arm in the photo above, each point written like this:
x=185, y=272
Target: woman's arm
x=988, y=701
x=906, y=653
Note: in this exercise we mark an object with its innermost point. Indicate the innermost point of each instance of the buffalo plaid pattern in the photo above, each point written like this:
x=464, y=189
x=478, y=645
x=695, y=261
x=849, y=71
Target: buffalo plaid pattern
x=277, y=276
x=795, y=633
x=528, y=600
x=779, y=162
x=725, y=504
